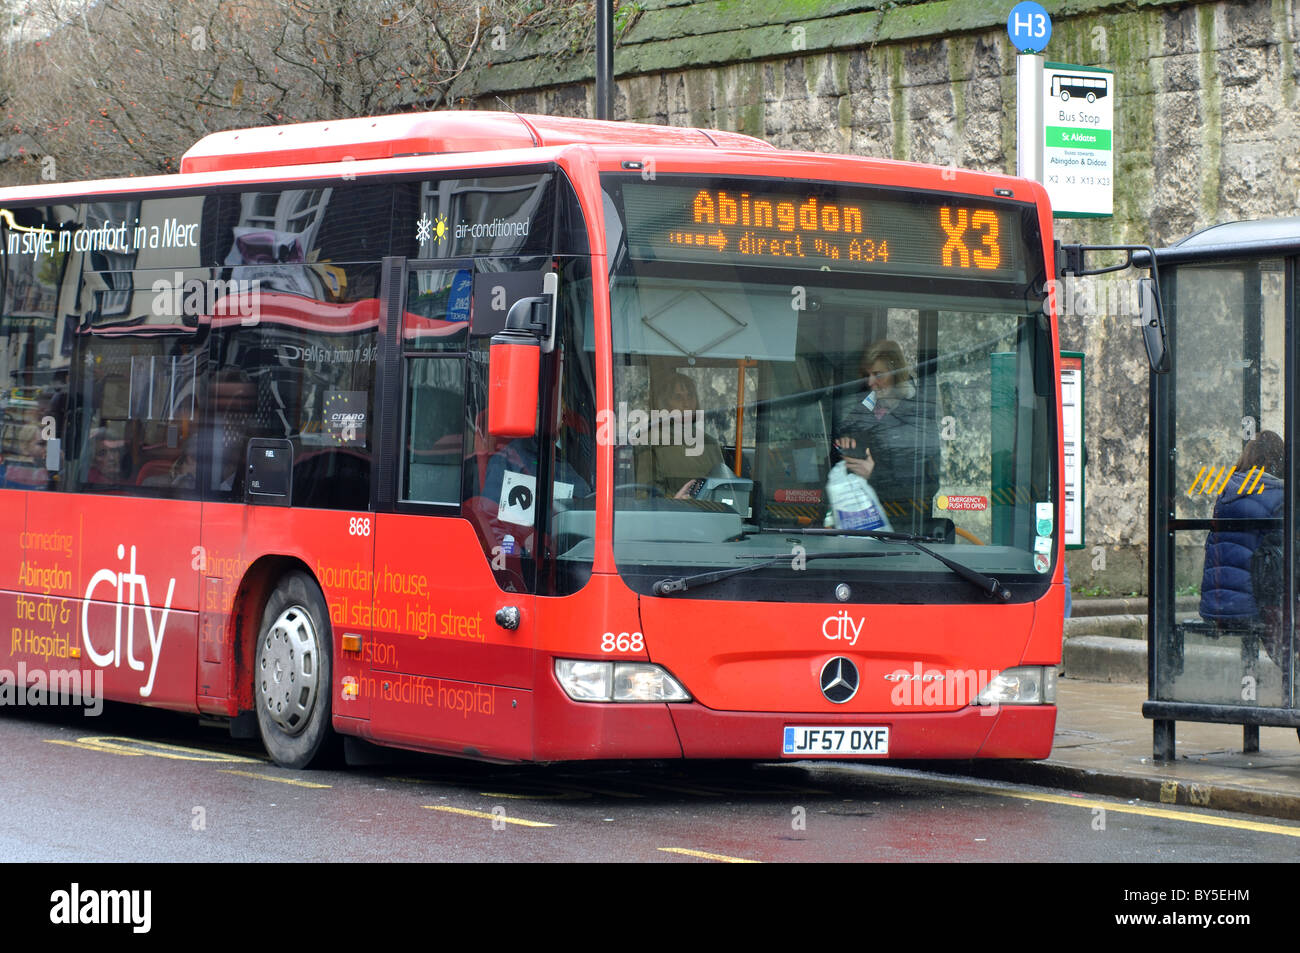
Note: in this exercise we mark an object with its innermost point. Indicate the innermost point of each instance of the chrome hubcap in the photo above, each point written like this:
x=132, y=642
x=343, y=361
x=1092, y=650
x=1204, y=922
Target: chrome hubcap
x=287, y=671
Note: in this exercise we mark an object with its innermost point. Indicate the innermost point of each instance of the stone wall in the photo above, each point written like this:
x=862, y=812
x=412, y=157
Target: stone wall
x=1205, y=132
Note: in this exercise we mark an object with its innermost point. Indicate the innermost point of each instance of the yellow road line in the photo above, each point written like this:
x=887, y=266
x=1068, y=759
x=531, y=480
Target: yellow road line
x=130, y=747
x=721, y=858
x=1162, y=812
x=1120, y=807
x=1117, y=806
x=540, y=796
x=485, y=815
x=271, y=777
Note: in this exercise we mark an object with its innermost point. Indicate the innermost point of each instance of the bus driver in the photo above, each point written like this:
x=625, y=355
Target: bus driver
x=669, y=465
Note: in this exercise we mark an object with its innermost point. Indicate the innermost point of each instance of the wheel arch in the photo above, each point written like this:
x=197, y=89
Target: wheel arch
x=255, y=588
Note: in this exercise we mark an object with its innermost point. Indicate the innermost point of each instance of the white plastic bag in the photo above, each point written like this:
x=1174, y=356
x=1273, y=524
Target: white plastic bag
x=853, y=503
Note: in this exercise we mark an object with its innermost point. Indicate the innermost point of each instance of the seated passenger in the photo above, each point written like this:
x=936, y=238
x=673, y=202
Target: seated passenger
x=1228, y=584
x=105, y=460
x=27, y=471
x=676, y=456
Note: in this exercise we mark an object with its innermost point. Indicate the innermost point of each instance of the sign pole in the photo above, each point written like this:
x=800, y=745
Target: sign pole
x=1029, y=28
x=1029, y=116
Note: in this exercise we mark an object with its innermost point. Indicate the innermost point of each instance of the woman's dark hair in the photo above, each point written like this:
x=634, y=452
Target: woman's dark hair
x=671, y=383
x=1267, y=450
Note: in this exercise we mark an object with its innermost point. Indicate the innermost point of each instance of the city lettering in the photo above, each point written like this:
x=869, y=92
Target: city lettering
x=130, y=590
x=840, y=626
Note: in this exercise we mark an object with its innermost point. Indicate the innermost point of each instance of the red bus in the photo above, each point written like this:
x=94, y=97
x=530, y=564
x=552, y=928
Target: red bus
x=522, y=438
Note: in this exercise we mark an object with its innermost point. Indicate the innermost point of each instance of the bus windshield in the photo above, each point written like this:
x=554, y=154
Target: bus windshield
x=841, y=374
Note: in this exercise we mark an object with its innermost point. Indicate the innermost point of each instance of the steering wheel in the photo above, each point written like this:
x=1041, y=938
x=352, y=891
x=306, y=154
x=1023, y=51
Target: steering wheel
x=621, y=487
x=648, y=487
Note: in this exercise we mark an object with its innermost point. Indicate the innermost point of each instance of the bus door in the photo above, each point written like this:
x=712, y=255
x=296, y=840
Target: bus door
x=451, y=660
x=1222, y=432
x=129, y=528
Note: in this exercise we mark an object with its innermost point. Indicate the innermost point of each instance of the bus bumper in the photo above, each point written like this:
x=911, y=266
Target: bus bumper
x=1008, y=731
x=566, y=730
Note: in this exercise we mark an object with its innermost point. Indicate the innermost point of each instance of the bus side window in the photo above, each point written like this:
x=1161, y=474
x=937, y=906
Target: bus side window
x=232, y=400
x=434, y=439
x=35, y=347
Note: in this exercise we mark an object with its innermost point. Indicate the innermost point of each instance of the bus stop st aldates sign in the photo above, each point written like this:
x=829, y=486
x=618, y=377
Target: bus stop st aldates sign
x=1078, y=120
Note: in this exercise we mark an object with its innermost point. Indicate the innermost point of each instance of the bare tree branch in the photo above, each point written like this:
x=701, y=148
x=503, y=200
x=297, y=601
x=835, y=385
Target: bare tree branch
x=124, y=87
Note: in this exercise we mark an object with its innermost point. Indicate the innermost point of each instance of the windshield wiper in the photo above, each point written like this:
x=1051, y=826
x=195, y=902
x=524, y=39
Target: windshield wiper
x=986, y=584
x=666, y=587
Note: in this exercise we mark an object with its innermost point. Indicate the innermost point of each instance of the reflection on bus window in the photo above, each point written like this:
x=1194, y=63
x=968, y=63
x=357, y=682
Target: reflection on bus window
x=434, y=457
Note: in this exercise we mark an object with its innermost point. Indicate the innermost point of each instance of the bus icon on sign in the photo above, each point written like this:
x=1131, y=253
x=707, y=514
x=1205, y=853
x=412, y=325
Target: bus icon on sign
x=1068, y=85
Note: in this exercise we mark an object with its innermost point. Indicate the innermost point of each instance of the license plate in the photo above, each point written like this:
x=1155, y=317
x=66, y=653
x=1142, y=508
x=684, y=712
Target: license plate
x=812, y=741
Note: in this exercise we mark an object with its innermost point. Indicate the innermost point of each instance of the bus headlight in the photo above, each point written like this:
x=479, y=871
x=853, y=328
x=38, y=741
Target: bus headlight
x=587, y=681
x=1024, y=685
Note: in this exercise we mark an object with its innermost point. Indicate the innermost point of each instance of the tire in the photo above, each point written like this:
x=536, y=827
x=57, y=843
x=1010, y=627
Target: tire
x=1092, y=97
x=1065, y=95
x=292, y=671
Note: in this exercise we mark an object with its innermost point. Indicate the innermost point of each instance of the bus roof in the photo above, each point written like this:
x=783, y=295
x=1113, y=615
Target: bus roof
x=437, y=141
x=385, y=137
x=1252, y=239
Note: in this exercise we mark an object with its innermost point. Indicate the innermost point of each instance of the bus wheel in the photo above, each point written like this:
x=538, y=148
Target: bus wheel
x=1092, y=97
x=291, y=673
x=1065, y=95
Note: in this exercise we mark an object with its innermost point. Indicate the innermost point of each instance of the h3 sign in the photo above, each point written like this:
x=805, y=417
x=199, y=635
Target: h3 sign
x=1029, y=27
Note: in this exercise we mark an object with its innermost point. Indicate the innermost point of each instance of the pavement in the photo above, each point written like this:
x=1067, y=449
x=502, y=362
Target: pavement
x=1103, y=744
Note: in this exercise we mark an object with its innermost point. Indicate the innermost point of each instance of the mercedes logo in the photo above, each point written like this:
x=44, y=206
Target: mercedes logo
x=839, y=680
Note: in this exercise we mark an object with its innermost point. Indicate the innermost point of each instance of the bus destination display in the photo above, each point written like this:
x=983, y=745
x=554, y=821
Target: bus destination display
x=738, y=222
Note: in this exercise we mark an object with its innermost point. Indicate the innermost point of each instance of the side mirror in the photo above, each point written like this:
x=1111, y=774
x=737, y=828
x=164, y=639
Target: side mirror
x=514, y=361
x=1154, y=335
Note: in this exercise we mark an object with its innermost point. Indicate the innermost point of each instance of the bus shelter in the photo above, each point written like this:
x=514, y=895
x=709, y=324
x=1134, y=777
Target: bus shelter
x=1222, y=572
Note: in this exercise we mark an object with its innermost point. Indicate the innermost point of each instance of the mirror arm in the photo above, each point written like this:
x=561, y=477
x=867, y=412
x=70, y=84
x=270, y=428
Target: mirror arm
x=536, y=315
x=1071, y=262
x=1070, y=259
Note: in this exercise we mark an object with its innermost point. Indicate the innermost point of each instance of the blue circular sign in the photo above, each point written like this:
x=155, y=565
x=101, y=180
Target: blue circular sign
x=1029, y=26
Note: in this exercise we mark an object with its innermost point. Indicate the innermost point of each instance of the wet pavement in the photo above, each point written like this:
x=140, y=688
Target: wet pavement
x=1103, y=745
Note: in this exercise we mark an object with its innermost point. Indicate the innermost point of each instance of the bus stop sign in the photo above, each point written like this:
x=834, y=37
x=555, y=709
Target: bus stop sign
x=1029, y=27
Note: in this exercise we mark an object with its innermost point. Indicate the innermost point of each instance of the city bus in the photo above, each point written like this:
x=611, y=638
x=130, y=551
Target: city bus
x=524, y=438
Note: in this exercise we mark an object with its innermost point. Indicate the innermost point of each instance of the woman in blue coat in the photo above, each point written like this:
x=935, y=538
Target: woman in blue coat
x=1227, y=586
